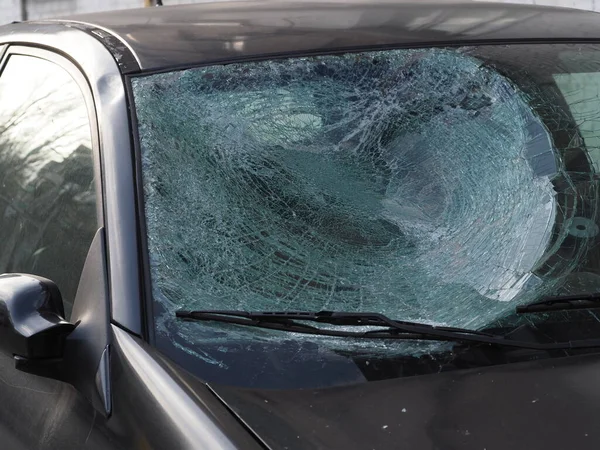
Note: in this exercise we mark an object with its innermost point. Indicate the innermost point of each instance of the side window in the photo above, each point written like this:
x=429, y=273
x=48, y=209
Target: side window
x=47, y=191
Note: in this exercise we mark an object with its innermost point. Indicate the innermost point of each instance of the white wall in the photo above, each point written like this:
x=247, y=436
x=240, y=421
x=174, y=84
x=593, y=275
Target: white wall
x=581, y=4
x=38, y=9
x=10, y=10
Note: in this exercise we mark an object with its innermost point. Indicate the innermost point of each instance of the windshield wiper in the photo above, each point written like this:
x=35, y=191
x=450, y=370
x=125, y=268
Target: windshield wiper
x=392, y=329
x=562, y=303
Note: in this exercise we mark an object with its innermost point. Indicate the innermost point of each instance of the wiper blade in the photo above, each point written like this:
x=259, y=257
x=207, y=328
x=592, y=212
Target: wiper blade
x=562, y=303
x=392, y=329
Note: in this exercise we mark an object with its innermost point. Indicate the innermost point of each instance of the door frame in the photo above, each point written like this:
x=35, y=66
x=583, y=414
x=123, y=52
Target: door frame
x=105, y=86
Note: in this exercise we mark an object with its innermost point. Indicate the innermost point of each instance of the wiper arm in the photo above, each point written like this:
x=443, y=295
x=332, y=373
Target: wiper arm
x=392, y=329
x=562, y=303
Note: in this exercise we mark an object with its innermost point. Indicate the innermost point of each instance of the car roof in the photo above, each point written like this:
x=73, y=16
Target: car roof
x=174, y=36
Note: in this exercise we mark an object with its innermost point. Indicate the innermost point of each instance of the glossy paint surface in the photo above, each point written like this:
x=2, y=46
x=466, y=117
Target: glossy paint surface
x=155, y=407
x=210, y=32
x=160, y=406
x=101, y=71
x=543, y=405
x=155, y=404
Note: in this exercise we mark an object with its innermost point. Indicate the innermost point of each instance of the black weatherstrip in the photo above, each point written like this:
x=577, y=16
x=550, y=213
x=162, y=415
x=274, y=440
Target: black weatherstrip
x=123, y=55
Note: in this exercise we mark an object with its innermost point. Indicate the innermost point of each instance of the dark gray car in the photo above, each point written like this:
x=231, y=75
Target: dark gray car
x=301, y=226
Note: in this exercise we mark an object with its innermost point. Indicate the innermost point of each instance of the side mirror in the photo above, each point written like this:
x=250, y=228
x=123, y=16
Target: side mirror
x=32, y=324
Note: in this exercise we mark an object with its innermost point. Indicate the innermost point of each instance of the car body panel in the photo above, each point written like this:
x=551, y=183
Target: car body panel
x=533, y=405
x=43, y=413
x=219, y=32
x=138, y=398
x=155, y=406
x=105, y=80
x=158, y=404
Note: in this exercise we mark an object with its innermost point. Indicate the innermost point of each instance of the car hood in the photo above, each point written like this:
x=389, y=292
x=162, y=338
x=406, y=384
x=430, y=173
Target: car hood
x=547, y=404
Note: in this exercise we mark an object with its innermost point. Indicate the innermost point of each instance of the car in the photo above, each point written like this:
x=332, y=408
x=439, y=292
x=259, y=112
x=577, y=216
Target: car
x=291, y=225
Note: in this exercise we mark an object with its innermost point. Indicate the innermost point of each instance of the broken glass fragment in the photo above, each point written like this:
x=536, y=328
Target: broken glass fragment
x=416, y=183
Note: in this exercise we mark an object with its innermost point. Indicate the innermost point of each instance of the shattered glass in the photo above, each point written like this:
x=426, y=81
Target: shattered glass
x=421, y=184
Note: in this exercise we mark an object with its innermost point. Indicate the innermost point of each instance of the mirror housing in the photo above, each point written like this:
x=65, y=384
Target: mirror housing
x=32, y=324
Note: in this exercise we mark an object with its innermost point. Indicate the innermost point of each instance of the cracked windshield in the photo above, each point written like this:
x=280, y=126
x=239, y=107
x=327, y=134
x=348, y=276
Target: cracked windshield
x=444, y=186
